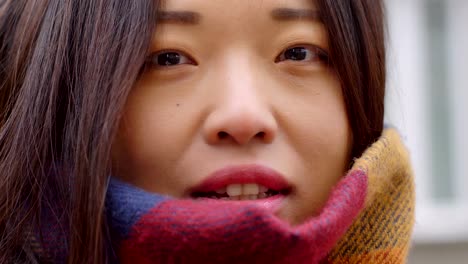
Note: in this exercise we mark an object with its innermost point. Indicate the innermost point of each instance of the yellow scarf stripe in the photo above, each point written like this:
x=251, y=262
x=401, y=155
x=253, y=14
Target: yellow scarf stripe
x=382, y=232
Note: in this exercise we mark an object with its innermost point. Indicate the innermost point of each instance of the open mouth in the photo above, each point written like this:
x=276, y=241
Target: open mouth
x=261, y=184
x=236, y=192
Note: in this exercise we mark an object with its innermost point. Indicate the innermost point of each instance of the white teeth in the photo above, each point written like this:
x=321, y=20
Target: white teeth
x=243, y=189
x=250, y=189
x=245, y=197
x=234, y=189
x=235, y=192
x=242, y=197
x=253, y=197
x=221, y=191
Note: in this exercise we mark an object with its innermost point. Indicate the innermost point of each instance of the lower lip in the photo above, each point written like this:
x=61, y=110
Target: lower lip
x=272, y=204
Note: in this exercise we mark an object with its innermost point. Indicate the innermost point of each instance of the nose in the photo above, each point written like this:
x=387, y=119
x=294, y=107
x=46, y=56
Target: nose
x=241, y=115
x=239, y=125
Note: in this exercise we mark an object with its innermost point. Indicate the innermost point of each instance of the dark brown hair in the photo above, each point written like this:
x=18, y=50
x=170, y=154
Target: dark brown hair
x=66, y=68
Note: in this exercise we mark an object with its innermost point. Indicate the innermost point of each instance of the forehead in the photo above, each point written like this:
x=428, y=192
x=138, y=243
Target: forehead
x=235, y=6
x=240, y=12
x=241, y=20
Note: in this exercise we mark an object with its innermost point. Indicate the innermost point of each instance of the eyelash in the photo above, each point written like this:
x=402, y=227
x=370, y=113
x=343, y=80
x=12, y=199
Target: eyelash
x=315, y=54
x=180, y=58
x=154, y=59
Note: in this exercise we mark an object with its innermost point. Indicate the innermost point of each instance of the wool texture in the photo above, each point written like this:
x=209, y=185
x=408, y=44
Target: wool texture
x=368, y=219
x=382, y=232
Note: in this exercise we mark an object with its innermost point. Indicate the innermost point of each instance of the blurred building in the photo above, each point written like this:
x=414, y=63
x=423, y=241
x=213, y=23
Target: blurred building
x=428, y=101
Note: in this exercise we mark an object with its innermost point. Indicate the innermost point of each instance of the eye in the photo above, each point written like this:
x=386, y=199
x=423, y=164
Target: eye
x=168, y=59
x=303, y=53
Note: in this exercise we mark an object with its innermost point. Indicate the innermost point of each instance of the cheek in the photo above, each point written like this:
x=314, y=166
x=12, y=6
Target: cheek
x=318, y=129
x=328, y=129
x=325, y=146
x=152, y=133
x=317, y=121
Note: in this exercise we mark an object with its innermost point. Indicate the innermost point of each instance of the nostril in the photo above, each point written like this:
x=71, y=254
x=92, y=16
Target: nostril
x=240, y=138
x=222, y=135
x=260, y=135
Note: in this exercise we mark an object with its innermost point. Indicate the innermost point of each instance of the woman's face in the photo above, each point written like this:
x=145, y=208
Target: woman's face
x=237, y=102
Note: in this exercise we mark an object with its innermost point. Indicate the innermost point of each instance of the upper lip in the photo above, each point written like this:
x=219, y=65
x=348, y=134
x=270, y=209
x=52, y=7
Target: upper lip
x=257, y=174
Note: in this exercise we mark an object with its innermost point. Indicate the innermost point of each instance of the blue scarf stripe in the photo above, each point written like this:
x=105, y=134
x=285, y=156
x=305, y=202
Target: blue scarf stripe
x=125, y=204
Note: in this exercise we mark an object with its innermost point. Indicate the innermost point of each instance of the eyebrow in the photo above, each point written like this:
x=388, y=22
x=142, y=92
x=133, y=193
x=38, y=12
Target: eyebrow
x=279, y=14
x=287, y=14
x=178, y=17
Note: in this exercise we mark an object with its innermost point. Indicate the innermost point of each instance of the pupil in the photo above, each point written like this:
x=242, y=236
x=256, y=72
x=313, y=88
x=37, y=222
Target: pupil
x=299, y=53
x=168, y=59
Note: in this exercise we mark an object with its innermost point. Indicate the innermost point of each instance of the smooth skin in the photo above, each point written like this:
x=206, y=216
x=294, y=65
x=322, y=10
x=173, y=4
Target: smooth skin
x=235, y=83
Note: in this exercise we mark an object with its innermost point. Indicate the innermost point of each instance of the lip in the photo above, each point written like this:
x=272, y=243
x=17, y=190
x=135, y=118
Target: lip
x=242, y=175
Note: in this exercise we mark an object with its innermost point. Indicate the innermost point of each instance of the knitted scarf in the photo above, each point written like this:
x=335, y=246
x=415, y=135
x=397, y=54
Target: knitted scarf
x=368, y=219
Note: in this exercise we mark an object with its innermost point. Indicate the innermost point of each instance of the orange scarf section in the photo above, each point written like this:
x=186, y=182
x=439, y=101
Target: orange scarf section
x=382, y=232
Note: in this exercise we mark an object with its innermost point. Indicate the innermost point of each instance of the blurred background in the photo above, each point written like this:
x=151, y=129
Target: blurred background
x=428, y=101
